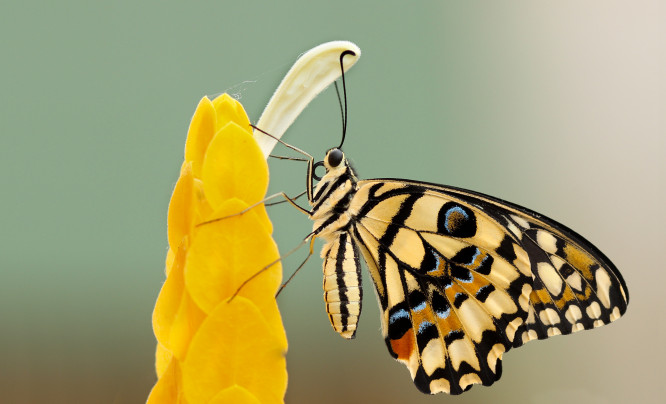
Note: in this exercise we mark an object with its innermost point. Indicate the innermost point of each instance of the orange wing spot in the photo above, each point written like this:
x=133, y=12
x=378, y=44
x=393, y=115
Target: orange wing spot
x=540, y=296
x=452, y=322
x=480, y=258
x=441, y=269
x=404, y=346
x=420, y=316
x=567, y=296
x=579, y=260
x=477, y=283
x=588, y=292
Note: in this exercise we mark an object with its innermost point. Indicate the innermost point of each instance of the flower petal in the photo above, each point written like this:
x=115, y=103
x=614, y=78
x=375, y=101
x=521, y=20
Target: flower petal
x=229, y=110
x=162, y=359
x=235, y=346
x=185, y=325
x=227, y=252
x=201, y=131
x=181, y=207
x=168, y=262
x=168, y=387
x=236, y=395
x=169, y=299
x=234, y=167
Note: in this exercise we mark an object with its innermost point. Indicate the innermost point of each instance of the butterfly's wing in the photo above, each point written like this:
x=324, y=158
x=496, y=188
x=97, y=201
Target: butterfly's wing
x=463, y=277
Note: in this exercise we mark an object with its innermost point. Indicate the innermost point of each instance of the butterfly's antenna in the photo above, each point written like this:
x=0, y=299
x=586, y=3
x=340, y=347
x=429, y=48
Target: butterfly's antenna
x=286, y=144
x=344, y=93
x=342, y=110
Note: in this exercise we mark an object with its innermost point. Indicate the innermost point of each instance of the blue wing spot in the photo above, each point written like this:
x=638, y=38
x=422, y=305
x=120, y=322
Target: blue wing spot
x=459, y=299
x=443, y=313
x=476, y=254
x=456, y=220
x=420, y=306
x=424, y=325
x=402, y=313
x=462, y=274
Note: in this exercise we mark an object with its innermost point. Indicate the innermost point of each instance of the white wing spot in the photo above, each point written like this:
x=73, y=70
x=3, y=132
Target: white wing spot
x=521, y=222
x=577, y=327
x=549, y=316
x=512, y=327
x=524, y=298
x=603, y=287
x=593, y=310
x=546, y=241
x=575, y=281
x=440, y=385
x=461, y=350
x=498, y=303
x=553, y=331
x=494, y=354
x=433, y=356
x=550, y=278
x=469, y=379
x=615, y=314
x=513, y=229
x=573, y=314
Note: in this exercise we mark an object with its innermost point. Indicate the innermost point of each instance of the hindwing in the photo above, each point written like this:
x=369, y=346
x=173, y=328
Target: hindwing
x=463, y=277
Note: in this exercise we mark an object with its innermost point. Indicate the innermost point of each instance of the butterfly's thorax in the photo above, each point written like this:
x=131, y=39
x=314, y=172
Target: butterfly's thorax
x=331, y=200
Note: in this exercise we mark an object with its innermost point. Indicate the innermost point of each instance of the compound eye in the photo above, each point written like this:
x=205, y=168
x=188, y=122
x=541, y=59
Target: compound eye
x=335, y=157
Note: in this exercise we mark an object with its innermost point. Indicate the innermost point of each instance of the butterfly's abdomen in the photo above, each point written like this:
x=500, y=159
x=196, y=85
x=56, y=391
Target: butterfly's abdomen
x=342, y=284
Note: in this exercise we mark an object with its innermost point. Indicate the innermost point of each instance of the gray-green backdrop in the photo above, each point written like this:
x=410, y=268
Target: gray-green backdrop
x=556, y=106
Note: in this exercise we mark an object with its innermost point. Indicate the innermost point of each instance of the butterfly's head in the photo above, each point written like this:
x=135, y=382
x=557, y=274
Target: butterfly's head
x=335, y=163
x=334, y=159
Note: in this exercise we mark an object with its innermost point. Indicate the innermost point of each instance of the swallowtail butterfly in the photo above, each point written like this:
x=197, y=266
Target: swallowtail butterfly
x=461, y=277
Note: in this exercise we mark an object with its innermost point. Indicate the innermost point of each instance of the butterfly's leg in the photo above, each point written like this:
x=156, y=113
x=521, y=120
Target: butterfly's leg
x=254, y=205
x=296, y=149
x=312, y=239
x=283, y=201
x=259, y=272
x=287, y=158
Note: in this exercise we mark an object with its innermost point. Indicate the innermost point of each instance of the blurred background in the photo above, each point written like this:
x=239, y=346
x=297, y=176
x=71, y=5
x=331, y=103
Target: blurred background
x=557, y=107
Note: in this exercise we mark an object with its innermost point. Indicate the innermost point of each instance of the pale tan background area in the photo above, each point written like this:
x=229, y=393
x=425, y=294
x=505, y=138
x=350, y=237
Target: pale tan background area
x=557, y=107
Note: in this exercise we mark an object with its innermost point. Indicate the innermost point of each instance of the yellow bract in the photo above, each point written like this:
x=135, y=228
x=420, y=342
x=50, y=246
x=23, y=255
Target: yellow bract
x=234, y=167
x=209, y=349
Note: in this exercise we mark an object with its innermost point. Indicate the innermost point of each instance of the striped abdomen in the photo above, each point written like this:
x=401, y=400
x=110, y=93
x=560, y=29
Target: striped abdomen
x=342, y=284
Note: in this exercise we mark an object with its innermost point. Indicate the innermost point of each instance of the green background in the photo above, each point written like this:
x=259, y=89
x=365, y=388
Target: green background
x=558, y=107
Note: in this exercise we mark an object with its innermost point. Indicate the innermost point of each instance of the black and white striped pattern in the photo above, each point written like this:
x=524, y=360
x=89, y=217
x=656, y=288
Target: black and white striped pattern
x=342, y=284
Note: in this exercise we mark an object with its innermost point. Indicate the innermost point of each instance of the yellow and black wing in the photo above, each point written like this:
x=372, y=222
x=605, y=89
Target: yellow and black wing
x=463, y=277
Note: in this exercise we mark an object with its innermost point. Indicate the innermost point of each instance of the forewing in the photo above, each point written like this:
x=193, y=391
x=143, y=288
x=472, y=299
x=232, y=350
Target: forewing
x=463, y=277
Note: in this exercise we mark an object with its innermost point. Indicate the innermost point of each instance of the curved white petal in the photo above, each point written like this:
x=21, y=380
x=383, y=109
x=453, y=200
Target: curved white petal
x=315, y=70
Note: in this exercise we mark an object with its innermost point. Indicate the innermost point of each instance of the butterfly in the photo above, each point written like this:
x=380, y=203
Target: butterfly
x=461, y=277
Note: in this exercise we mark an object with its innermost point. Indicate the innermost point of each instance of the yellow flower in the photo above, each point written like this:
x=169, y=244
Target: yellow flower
x=209, y=349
